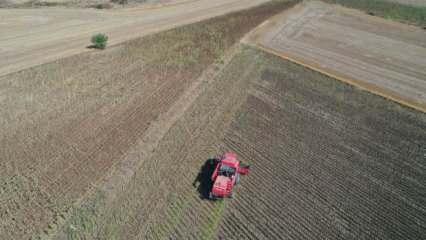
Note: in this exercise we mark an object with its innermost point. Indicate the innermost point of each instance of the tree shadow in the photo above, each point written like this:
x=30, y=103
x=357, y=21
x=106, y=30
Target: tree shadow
x=93, y=46
x=203, y=181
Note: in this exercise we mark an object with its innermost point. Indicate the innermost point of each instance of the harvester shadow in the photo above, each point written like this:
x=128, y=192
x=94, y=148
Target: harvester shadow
x=203, y=182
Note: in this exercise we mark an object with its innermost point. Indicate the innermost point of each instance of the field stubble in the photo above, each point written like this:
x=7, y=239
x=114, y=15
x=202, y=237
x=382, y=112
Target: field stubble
x=66, y=125
x=328, y=160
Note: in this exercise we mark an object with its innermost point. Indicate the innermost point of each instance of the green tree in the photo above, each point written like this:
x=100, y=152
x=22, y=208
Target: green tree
x=99, y=41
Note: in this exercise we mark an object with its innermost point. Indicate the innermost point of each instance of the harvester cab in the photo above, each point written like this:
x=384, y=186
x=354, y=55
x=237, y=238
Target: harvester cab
x=226, y=175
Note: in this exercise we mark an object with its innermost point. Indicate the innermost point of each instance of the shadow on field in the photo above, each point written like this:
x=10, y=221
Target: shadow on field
x=203, y=182
x=93, y=47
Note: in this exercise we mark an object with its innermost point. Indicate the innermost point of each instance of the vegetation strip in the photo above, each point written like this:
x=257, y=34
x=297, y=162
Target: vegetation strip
x=392, y=10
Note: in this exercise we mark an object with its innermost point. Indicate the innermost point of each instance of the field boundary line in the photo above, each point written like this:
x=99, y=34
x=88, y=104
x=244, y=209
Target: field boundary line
x=372, y=88
x=155, y=6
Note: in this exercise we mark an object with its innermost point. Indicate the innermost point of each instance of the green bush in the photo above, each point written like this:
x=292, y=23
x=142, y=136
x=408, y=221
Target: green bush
x=99, y=41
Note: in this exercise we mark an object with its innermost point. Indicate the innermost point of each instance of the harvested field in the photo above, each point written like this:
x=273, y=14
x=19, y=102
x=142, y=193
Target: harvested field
x=76, y=126
x=109, y=145
x=329, y=161
x=382, y=56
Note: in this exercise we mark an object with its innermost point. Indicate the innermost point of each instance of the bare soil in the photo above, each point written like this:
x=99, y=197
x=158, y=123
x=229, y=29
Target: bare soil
x=376, y=54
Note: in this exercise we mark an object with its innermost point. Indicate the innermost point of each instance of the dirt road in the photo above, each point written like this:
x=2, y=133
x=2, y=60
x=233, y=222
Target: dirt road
x=31, y=37
x=382, y=56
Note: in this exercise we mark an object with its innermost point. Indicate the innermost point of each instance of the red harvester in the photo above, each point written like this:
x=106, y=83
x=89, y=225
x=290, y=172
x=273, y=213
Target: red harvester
x=226, y=174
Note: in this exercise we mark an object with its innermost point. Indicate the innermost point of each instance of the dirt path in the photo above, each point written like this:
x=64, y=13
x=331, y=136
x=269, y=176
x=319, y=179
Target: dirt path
x=31, y=37
x=381, y=56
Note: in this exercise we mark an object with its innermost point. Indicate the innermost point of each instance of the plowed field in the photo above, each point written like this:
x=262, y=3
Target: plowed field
x=382, y=56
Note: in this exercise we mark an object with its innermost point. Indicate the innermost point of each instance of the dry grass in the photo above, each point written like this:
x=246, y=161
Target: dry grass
x=392, y=10
x=98, y=4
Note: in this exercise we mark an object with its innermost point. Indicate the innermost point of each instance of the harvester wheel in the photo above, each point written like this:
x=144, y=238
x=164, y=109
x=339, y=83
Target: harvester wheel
x=211, y=196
